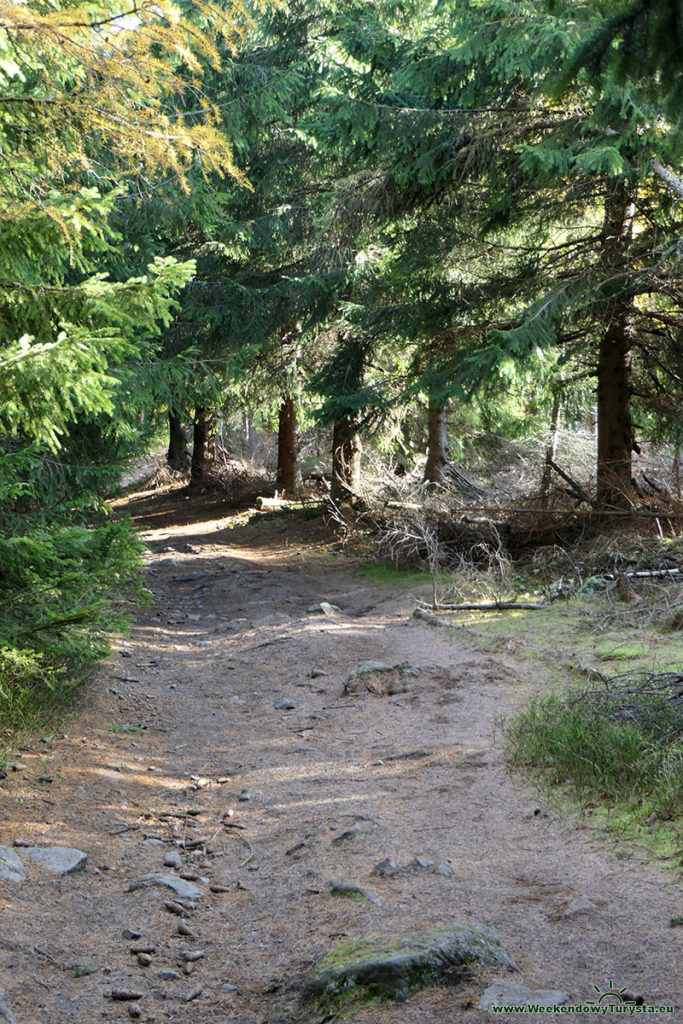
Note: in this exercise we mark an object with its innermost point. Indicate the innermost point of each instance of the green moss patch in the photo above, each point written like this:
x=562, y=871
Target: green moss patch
x=391, y=969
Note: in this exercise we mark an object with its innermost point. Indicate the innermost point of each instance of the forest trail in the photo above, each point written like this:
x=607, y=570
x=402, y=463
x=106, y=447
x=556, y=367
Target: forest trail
x=181, y=754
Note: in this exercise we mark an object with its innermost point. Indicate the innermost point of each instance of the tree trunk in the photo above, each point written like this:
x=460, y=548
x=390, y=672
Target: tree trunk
x=550, y=451
x=176, y=457
x=203, y=447
x=615, y=427
x=288, y=469
x=346, y=453
x=438, y=454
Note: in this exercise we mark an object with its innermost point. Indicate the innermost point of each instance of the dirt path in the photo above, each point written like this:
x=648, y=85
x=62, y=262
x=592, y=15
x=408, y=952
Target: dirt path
x=181, y=743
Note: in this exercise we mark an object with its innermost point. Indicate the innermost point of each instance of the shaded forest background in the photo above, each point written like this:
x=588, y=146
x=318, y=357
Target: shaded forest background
x=418, y=232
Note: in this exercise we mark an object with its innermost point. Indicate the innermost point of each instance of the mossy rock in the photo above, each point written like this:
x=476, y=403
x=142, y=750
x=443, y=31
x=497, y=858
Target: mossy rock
x=391, y=969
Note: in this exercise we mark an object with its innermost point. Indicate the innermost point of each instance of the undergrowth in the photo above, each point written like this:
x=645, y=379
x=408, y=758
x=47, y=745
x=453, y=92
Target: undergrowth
x=619, y=746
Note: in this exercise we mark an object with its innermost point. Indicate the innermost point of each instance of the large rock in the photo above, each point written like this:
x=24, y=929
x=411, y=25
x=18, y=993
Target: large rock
x=381, y=679
x=11, y=868
x=60, y=860
x=507, y=993
x=391, y=969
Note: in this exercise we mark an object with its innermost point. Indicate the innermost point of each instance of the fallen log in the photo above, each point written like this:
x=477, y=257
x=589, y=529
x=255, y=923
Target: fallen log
x=490, y=606
x=434, y=620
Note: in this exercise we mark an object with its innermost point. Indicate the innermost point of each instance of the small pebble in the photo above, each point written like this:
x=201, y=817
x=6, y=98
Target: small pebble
x=143, y=948
x=134, y=1010
x=189, y=967
x=189, y=876
x=144, y=959
x=229, y=988
x=22, y=843
x=184, y=929
x=193, y=994
x=173, y=860
x=190, y=955
x=168, y=974
x=249, y=794
x=122, y=995
x=285, y=704
x=219, y=888
x=130, y=933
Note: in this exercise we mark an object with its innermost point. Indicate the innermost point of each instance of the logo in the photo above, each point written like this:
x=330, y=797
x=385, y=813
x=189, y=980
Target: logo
x=609, y=1001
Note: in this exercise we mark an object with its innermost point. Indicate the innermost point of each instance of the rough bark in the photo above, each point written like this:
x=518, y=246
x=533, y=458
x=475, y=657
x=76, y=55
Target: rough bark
x=176, y=457
x=346, y=456
x=203, y=447
x=438, y=454
x=615, y=427
x=288, y=469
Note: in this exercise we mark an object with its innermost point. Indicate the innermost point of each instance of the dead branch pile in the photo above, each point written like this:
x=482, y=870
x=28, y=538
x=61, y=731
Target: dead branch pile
x=651, y=700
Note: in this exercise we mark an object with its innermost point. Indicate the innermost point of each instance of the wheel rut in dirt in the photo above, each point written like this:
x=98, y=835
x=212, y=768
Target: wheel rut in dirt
x=219, y=744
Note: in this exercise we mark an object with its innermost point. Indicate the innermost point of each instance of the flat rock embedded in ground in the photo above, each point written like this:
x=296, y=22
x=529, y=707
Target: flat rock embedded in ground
x=184, y=890
x=507, y=993
x=60, y=860
x=11, y=868
x=380, y=678
x=392, y=968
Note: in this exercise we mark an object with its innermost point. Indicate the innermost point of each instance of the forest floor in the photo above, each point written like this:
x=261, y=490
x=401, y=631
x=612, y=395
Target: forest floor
x=179, y=752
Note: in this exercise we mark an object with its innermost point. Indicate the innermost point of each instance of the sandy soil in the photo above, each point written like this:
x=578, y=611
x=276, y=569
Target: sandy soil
x=180, y=748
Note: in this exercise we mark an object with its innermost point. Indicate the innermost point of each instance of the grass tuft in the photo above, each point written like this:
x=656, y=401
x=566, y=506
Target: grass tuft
x=620, y=746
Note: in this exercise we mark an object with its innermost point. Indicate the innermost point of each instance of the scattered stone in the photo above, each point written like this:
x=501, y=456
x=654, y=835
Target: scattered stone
x=192, y=955
x=60, y=860
x=131, y=933
x=184, y=929
x=350, y=833
x=189, y=876
x=229, y=988
x=5, y=1011
x=275, y=618
x=11, y=867
x=144, y=959
x=22, y=843
x=350, y=890
x=507, y=993
x=381, y=679
x=324, y=608
x=134, y=1010
x=214, y=887
x=237, y=700
x=579, y=906
x=249, y=794
x=145, y=947
x=168, y=974
x=194, y=994
x=444, y=868
x=285, y=704
x=173, y=860
x=317, y=673
x=393, y=968
x=185, y=890
x=385, y=868
x=152, y=841
x=419, y=864
x=123, y=995
x=188, y=967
